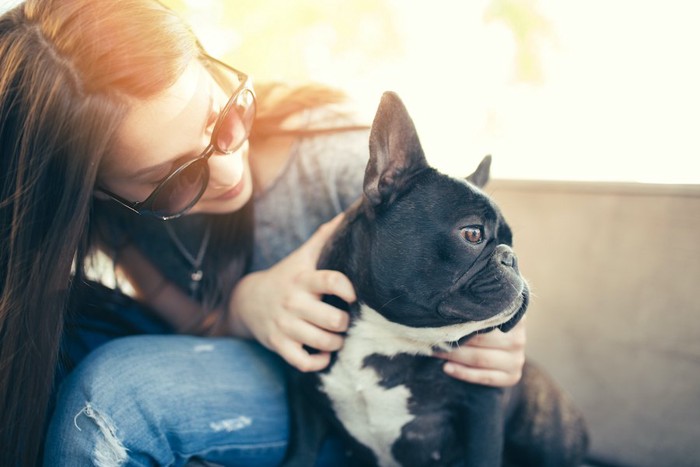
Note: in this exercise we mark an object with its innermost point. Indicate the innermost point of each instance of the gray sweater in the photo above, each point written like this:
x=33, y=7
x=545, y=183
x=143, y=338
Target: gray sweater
x=322, y=178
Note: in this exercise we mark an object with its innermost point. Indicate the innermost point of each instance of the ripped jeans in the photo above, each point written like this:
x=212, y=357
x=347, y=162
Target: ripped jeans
x=164, y=400
x=132, y=393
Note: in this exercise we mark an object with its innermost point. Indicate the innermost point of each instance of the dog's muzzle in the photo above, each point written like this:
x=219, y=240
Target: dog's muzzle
x=485, y=290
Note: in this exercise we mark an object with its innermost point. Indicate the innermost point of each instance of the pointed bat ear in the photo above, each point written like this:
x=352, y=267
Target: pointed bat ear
x=480, y=177
x=395, y=153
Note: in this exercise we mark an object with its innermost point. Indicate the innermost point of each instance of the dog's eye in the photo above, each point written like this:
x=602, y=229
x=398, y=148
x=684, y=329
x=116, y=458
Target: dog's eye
x=473, y=233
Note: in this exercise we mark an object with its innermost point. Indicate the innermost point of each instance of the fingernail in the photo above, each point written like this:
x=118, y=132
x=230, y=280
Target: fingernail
x=449, y=368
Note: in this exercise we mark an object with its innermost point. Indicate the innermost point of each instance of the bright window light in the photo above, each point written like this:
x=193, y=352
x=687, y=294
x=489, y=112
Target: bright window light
x=553, y=89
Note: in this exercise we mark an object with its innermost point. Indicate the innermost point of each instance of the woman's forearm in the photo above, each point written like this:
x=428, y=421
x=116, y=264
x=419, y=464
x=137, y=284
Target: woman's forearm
x=171, y=304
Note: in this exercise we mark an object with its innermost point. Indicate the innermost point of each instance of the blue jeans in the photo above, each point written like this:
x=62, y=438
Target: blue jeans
x=162, y=400
x=134, y=394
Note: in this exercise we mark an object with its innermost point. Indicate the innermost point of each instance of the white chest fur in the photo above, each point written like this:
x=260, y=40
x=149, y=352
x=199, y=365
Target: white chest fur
x=373, y=414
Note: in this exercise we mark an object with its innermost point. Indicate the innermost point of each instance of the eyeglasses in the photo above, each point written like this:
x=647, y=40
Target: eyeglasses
x=183, y=187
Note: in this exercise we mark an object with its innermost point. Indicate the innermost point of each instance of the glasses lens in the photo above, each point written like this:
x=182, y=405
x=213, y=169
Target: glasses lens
x=237, y=121
x=182, y=189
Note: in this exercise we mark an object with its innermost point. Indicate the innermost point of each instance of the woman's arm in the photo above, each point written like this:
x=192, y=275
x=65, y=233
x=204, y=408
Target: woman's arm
x=163, y=297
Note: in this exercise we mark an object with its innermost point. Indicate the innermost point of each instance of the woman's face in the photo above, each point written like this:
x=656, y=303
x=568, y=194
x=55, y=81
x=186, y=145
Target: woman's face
x=160, y=134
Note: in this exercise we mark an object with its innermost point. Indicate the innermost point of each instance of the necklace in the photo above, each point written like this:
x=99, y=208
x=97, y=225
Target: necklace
x=197, y=274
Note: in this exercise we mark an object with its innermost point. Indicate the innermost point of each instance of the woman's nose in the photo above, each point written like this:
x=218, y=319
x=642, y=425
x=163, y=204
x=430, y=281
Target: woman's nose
x=226, y=170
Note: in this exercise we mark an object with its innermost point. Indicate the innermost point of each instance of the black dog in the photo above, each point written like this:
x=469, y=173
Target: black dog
x=431, y=261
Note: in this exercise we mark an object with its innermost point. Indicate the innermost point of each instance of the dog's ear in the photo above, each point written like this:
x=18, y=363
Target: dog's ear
x=395, y=153
x=480, y=177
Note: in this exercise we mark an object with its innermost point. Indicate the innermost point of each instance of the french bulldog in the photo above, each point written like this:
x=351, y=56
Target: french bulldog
x=432, y=263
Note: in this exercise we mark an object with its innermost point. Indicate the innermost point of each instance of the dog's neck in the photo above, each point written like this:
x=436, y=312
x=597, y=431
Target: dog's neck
x=375, y=334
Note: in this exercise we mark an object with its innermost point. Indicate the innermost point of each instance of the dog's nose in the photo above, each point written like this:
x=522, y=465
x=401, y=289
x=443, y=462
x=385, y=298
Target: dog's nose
x=507, y=258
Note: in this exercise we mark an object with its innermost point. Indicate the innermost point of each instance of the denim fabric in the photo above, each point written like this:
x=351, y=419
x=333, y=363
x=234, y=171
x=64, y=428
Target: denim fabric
x=97, y=315
x=134, y=394
x=161, y=400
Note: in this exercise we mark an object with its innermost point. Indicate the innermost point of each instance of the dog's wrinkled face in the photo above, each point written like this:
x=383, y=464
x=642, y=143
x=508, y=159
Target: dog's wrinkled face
x=441, y=255
x=435, y=251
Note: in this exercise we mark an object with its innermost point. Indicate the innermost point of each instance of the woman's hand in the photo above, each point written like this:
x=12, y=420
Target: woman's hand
x=281, y=307
x=492, y=359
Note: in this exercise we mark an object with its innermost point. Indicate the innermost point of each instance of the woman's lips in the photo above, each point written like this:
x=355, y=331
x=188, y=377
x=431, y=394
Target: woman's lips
x=233, y=192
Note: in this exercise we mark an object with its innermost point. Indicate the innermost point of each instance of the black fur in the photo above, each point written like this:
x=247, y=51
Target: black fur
x=407, y=248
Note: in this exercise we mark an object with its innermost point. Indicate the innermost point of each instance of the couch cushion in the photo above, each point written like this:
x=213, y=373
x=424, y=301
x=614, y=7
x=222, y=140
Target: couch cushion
x=615, y=314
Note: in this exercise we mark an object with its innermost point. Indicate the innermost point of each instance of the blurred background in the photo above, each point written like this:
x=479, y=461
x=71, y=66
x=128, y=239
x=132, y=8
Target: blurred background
x=555, y=90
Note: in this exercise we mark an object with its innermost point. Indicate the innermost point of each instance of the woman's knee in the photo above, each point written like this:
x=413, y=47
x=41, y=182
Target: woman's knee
x=181, y=391
x=170, y=368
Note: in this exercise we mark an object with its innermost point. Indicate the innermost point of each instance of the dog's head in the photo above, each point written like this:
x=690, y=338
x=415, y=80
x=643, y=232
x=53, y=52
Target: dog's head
x=423, y=249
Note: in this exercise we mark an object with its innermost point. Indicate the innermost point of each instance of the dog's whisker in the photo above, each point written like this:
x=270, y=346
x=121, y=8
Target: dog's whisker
x=514, y=287
x=391, y=300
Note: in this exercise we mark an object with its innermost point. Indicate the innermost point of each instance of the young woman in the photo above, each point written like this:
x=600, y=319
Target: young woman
x=119, y=134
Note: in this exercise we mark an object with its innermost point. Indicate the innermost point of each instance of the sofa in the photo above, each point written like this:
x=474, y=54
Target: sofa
x=615, y=311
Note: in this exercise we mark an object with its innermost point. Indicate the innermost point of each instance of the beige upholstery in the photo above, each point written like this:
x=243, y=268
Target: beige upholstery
x=615, y=314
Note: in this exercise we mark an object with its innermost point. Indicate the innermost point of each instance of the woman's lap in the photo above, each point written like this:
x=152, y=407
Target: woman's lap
x=164, y=396
x=160, y=400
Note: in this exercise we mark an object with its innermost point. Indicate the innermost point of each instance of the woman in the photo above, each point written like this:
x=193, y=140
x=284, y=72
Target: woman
x=119, y=134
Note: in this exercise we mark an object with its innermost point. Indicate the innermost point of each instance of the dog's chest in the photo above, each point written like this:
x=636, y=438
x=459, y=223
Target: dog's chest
x=370, y=412
x=371, y=408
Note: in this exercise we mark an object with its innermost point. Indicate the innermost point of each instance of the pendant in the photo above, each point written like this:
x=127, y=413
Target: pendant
x=196, y=277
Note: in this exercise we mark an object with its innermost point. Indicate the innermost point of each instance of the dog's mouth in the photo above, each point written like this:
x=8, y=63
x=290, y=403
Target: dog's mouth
x=517, y=315
x=480, y=301
x=486, y=293
x=505, y=321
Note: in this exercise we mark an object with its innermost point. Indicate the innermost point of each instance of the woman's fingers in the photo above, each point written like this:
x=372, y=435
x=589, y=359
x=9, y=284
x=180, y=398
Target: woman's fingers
x=308, y=334
x=489, y=367
x=514, y=339
x=492, y=359
x=312, y=322
x=327, y=282
x=482, y=376
x=324, y=316
x=484, y=359
x=298, y=357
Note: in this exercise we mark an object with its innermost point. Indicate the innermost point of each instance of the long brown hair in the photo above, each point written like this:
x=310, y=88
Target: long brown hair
x=66, y=80
x=68, y=72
